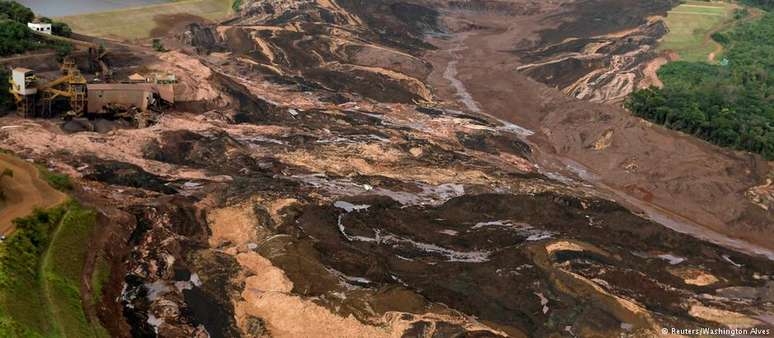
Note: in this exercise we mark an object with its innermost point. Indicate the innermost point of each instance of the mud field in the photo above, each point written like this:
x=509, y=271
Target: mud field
x=394, y=169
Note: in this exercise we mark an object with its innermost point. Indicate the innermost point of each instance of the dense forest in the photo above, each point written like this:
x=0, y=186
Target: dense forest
x=765, y=4
x=730, y=104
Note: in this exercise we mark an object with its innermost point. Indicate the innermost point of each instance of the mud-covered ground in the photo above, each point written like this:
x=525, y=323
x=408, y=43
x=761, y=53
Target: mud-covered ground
x=333, y=168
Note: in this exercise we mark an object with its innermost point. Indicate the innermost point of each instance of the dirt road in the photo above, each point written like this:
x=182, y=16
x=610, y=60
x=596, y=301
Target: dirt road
x=674, y=179
x=24, y=192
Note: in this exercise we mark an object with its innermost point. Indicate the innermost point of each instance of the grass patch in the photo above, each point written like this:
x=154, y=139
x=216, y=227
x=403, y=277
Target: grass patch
x=139, y=22
x=40, y=268
x=59, y=182
x=99, y=278
x=62, y=268
x=690, y=25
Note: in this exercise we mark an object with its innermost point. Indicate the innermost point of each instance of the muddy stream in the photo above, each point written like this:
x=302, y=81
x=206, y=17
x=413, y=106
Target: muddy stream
x=556, y=166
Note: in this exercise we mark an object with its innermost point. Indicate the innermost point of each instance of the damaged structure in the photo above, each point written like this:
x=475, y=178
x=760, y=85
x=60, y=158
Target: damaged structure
x=35, y=97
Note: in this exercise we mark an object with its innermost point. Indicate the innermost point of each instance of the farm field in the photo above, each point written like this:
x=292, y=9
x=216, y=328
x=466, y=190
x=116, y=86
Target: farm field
x=690, y=26
x=146, y=21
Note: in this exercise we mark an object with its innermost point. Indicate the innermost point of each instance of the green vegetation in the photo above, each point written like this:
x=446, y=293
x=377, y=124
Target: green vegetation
x=765, y=4
x=6, y=173
x=690, y=25
x=99, y=278
x=62, y=268
x=158, y=46
x=13, y=11
x=236, y=5
x=40, y=269
x=6, y=99
x=730, y=104
x=140, y=22
x=16, y=38
x=58, y=28
x=60, y=182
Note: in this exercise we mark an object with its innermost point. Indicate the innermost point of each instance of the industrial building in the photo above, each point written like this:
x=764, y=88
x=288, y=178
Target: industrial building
x=36, y=97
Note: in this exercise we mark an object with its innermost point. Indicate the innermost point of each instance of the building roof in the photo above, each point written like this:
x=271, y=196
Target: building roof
x=120, y=86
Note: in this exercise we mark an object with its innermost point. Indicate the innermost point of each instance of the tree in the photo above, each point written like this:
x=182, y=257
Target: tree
x=61, y=29
x=16, y=12
x=14, y=37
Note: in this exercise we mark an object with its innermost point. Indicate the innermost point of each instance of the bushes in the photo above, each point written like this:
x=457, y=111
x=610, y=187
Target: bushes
x=58, y=28
x=720, y=38
x=158, y=45
x=14, y=11
x=731, y=106
x=15, y=38
x=765, y=4
x=61, y=29
x=60, y=182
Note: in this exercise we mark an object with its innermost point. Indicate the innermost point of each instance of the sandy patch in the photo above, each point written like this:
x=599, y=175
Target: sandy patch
x=694, y=276
x=235, y=225
x=728, y=318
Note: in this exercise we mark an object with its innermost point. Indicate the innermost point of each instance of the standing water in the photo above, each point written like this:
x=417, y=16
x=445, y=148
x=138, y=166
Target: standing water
x=52, y=8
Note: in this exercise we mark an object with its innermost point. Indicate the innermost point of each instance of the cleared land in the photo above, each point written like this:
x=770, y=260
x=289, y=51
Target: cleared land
x=24, y=192
x=140, y=22
x=690, y=26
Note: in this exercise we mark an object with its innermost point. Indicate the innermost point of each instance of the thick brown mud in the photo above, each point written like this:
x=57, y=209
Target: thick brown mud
x=606, y=146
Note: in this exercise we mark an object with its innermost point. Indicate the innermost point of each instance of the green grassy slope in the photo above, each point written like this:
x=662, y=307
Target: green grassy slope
x=690, y=25
x=40, y=269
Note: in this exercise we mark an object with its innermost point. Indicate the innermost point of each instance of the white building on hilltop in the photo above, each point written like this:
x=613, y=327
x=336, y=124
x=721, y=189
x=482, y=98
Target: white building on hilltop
x=44, y=28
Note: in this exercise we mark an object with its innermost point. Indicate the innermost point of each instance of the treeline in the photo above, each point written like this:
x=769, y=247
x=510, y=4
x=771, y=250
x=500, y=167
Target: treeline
x=730, y=104
x=765, y=4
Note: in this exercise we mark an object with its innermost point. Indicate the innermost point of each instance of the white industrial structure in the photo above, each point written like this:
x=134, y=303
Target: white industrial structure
x=44, y=28
x=24, y=81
